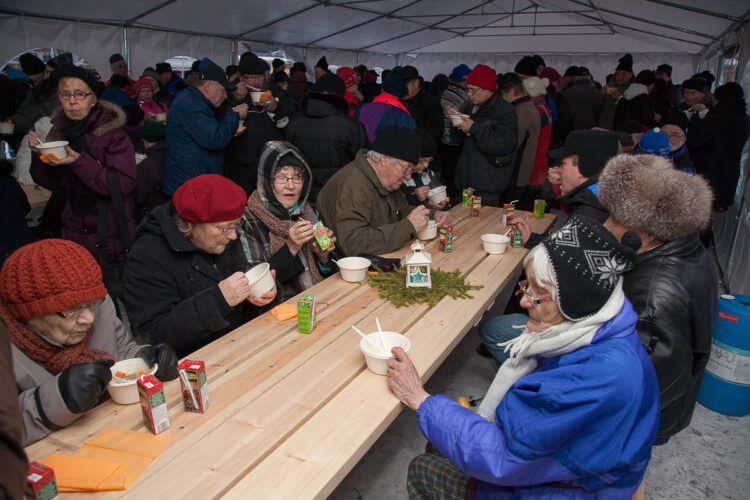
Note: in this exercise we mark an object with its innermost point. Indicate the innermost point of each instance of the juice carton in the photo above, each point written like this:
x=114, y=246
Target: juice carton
x=466, y=194
x=445, y=244
x=476, y=206
x=194, y=386
x=517, y=242
x=153, y=403
x=508, y=212
x=321, y=236
x=306, y=315
x=539, y=207
x=41, y=483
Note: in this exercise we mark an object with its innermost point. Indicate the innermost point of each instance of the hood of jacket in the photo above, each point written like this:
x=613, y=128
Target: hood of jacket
x=267, y=166
x=634, y=90
x=730, y=107
x=320, y=105
x=104, y=117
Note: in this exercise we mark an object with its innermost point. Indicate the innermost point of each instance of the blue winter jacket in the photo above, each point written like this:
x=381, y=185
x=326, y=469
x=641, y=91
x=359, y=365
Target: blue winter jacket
x=377, y=115
x=195, y=139
x=587, y=419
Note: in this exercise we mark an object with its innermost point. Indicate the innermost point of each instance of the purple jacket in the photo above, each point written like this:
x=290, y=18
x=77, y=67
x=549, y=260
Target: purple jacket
x=110, y=149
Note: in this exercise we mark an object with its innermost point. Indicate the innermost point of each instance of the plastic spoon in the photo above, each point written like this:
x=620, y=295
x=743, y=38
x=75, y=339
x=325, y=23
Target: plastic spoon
x=380, y=335
x=368, y=340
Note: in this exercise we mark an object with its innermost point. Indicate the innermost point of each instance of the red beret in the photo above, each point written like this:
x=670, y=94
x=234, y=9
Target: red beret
x=482, y=76
x=209, y=198
x=348, y=75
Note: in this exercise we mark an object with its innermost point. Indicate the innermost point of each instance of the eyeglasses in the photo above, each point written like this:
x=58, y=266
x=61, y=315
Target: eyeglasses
x=406, y=170
x=76, y=312
x=473, y=90
x=281, y=180
x=226, y=230
x=524, y=288
x=77, y=95
x=676, y=135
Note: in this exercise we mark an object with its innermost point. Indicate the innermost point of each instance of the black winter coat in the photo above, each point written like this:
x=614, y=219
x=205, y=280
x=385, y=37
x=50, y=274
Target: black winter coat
x=640, y=108
x=242, y=154
x=715, y=144
x=427, y=112
x=673, y=290
x=494, y=133
x=327, y=137
x=582, y=200
x=172, y=287
x=564, y=123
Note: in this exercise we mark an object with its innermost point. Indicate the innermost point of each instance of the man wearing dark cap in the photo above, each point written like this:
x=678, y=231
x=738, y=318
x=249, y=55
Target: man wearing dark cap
x=529, y=125
x=425, y=109
x=586, y=102
x=664, y=72
x=526, y=67
x=120, y=67
x=168, y=79
x=325, y=134
x=321, y=68
x=32, y=66
x=363, y=204
x=387, y=110
x=195, y=138
x=253, y=74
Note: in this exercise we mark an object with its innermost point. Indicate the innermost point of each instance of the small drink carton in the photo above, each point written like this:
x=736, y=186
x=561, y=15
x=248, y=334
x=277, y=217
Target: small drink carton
x=539, y=208
x=445, y=244
x=153, y=403
x=517, y=241
x=194, y=386
x=306, y=314
x=476, y=206
x=509, y=210
x=41, y=483
x=321, y=236
x=466, y=194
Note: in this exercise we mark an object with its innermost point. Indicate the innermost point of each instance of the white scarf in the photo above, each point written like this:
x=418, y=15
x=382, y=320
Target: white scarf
x=556, y=340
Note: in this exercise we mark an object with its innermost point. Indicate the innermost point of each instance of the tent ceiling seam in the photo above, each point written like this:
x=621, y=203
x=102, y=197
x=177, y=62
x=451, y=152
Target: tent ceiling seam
x=599, y=15
x=644, y=20
x=278, y=20
x=149, y=11
x=697, y=10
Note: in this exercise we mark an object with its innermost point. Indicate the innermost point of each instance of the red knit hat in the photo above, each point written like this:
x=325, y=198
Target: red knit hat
x=209, y=198
x=143, y=83
x=49, y=276
x=482, y=76
x=348, y=75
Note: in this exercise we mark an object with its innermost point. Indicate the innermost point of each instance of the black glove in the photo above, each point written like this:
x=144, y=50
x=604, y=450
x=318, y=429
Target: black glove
x=165, y=356
x=82, y=385
x=383, y=263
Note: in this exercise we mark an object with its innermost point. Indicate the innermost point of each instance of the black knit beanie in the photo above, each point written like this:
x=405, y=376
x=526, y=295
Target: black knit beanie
x=398, y=142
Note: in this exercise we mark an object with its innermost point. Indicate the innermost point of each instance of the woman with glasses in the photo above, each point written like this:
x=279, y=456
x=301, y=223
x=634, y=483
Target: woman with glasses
x=97, y=145
x=278, y=221
x=573, y=412
x=184, y=278
x=64, y=334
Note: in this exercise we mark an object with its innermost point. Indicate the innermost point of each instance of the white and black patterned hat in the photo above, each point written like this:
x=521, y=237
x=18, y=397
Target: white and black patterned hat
x=587, y=261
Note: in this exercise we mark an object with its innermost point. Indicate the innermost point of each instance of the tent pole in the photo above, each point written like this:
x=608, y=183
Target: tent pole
x=235, y=50
x=125, y=47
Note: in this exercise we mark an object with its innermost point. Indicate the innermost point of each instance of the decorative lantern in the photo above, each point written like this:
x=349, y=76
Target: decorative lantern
x=418, y=266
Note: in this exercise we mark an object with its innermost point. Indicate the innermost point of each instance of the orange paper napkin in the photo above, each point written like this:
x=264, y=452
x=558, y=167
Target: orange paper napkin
x=80, y=474
x=135, y=443
x=283, y=312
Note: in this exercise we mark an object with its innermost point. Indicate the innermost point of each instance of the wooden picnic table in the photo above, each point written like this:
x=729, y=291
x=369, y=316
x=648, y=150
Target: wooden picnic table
x=37, y=195
x=291, y=414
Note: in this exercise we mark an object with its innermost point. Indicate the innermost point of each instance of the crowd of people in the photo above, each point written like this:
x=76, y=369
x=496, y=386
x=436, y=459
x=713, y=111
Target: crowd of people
x=172, y=187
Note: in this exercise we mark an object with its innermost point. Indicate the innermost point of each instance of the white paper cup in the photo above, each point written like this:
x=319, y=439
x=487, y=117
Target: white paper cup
x=495, y=243
x=429, y=232
x=261, y=280
x=255, y=96
x=353, y=269
x=436, y=195
x=7, y=128
x=376, y=360
x=161, y=117
x=241, y=124
x=127, y=393
x=57, y=147
x=456, y=119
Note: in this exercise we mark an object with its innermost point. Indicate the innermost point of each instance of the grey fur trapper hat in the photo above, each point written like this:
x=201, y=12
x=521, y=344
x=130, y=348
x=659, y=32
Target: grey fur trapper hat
x=647, y=193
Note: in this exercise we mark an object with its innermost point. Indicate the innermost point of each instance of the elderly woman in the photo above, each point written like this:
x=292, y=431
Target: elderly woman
x=64, y=333
x=144, y=97
x=573, y=413
x=184, y=278
x=97, y=146
x=672, y=288
x=278, y=221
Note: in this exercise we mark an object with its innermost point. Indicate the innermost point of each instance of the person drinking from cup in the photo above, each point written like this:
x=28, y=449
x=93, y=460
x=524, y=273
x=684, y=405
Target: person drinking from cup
x=423, y=178
x=64, y=334
x=278, y=221
x=184, y=277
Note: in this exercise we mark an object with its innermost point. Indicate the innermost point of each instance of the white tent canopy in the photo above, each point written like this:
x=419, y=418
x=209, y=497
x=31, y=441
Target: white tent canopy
x=432, y=35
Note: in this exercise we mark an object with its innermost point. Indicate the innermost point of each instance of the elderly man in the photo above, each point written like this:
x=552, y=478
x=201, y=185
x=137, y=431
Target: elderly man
x=253, y=74
x=362, y=203
x=119, y=66
x=195, y=138
x=168, y=79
